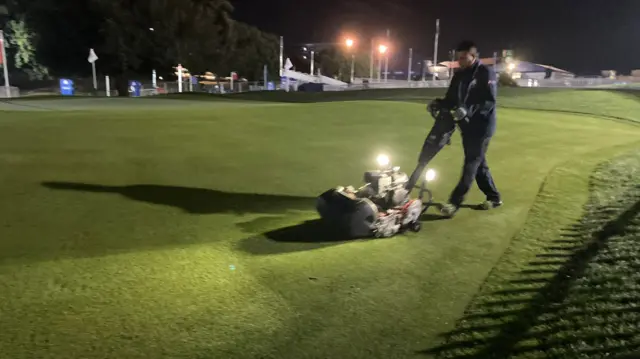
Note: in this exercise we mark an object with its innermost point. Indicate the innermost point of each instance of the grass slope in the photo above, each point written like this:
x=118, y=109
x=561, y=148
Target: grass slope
x=180, y=232
x=609, y=103
x=566, y=288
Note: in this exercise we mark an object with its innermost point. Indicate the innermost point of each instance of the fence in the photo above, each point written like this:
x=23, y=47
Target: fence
x=85, y=87
x=225, y=87
x=581, y=82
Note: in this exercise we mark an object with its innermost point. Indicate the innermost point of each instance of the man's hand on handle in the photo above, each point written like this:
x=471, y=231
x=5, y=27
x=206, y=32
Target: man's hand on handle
x=460, y=114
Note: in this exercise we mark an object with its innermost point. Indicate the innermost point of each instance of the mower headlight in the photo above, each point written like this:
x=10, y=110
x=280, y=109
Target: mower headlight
x=383, y=160
x=430, y=176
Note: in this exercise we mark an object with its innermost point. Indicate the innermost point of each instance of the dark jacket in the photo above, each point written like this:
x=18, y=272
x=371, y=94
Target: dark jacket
x=475, y=88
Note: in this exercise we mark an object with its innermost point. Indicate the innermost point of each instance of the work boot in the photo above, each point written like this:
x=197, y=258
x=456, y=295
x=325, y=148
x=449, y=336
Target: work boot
x=490, y=204
x=449, y=210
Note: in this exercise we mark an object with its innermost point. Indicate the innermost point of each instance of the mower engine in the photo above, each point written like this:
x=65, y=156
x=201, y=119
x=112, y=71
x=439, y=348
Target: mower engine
x=380, y=208
x=385, y=187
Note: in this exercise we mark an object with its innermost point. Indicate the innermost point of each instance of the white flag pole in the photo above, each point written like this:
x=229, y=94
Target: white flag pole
x=92, y=59
x=107, y=85
x=5, y=65
x=95, y=79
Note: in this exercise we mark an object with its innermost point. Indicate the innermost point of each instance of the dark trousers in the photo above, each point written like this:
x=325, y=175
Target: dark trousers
x=475, y=168
x=438, y=137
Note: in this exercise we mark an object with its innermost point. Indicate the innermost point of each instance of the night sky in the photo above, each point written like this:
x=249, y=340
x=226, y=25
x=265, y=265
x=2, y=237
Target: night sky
x=583, y=36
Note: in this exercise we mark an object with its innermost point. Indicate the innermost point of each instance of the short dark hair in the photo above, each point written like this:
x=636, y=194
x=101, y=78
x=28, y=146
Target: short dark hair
x=466, y=45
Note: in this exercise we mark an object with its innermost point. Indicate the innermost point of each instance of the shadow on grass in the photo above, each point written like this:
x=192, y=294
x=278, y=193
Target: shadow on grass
x=199, y=201
x=196, y=200
x=581, y=298
x=95, y=239
x=306, y=236
x=309, y=235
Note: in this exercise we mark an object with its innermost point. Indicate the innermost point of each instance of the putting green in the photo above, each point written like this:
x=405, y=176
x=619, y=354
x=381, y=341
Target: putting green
x=179, y=232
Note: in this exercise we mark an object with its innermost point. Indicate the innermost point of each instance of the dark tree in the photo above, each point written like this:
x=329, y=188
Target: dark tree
x=132, y=37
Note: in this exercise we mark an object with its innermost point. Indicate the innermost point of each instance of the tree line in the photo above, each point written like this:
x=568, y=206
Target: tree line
x=135, y=36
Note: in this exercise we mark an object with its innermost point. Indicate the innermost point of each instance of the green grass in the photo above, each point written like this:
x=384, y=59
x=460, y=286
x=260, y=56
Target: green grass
x=564, y=289
x=179, y=231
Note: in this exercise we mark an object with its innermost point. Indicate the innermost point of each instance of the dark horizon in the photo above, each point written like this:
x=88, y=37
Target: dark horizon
x=584, y=38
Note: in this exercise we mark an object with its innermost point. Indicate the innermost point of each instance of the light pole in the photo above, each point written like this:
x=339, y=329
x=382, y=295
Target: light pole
x=349, y=43
x=410, y=63
x=382, y=49
x=386, y=60
x=154, y=81
x=371, y=60
x=435, y=49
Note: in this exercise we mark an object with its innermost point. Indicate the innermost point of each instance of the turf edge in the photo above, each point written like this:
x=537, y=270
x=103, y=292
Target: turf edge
x=560, y=204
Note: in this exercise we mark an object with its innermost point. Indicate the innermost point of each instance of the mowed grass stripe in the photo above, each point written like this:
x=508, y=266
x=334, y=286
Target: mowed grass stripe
x=150, y=235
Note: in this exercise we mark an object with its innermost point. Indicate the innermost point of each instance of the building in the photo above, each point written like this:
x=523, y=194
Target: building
x=316, y=46
x=519, y=69
x=530, y=70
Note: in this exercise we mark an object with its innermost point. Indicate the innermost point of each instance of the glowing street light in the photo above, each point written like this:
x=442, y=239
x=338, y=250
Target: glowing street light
x=382, y=49
x=349, y=43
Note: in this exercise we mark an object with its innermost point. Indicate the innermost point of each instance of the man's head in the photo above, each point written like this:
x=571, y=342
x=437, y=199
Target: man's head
x=467, y=53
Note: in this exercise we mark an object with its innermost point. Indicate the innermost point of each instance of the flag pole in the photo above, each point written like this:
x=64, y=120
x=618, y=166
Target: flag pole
x=95, y=80
x=5, y=65
x=92, y=59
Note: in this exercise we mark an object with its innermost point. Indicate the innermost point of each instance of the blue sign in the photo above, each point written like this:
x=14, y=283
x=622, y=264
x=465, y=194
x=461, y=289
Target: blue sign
x=194, y=80
x=284, y=80
x=271, y=86
x=135, y=88
x=66, y=87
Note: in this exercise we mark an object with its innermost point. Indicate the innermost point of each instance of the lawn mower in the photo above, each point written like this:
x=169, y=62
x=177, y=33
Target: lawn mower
x=380, y=208
x=383, y=207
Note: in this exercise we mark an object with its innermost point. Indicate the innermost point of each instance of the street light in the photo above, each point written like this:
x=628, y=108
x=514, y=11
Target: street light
x=349, y=42
x=382, y=49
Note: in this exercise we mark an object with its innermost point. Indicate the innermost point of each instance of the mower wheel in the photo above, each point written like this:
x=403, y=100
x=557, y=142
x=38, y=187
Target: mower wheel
x=415, y=226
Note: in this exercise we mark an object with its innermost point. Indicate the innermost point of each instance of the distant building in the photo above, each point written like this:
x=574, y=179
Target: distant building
x=315, y=46
x=520, y=69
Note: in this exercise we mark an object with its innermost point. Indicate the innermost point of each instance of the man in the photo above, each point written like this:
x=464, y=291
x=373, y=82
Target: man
x=472, y=93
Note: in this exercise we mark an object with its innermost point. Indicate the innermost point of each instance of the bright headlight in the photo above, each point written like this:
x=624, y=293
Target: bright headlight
x=430, y=176
x=383, y=160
